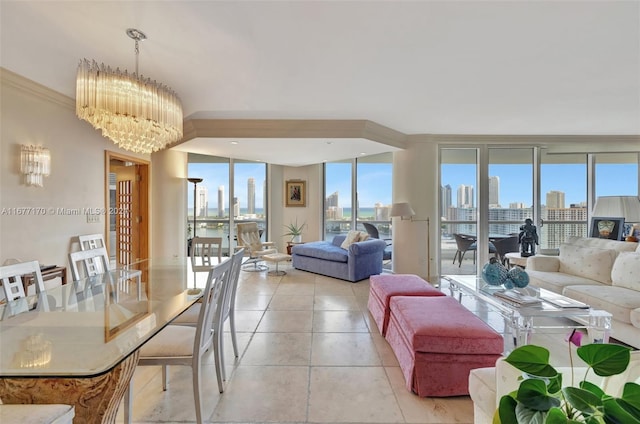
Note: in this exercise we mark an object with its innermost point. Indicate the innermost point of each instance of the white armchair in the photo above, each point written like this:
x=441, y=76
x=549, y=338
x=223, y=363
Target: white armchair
x=488, y=385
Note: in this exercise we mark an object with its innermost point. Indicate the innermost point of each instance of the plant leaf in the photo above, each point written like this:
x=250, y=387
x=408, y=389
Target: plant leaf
x=556, y=416
x=589, y=386
x=529, y=416
x=582, y=400
x=533, y=360
x=605, y=359
x=614, y=413
x=555, y=384
x=631, y=395
x=506, y=412
x=533, y=394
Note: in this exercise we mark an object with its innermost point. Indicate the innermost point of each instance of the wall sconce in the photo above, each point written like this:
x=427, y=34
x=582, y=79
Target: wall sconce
x=35, y=164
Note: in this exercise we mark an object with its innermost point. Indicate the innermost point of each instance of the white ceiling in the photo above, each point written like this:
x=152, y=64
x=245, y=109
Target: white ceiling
x=418, y=67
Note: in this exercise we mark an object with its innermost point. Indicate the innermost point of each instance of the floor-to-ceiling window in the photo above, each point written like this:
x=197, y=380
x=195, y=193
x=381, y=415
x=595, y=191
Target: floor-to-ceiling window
x=458, y=191
x=374, y=192
x=356, y=191
x=230, y=191
x=338, y=189
x=555, y=189
x=563, y=197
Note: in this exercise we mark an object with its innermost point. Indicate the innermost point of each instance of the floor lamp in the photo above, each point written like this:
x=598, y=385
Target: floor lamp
x=195, y=182
x=405, y=211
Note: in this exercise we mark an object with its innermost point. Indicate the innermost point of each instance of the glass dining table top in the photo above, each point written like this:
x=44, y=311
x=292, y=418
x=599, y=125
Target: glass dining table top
x=86, y=327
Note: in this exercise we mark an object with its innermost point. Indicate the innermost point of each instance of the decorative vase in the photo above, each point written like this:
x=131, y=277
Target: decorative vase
x=494, y=273
x=296, y=239
x=519, y=277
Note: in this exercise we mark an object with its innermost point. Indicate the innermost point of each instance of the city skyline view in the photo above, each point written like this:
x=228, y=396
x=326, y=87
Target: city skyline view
x=375, y=182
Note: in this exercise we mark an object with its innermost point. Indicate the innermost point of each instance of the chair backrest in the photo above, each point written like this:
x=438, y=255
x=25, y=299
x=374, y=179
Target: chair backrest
x=463, y=242
x=249, y=236
x=11, y=277
x=230, y=292
x=203, y=249
x=212, y=305
x=94, y=261
x=372, y=230
x=506, y=245
x=91, y=241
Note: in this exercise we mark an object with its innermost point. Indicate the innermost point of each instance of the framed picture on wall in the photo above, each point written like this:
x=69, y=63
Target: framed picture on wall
x=295, y=193
x=607, y=228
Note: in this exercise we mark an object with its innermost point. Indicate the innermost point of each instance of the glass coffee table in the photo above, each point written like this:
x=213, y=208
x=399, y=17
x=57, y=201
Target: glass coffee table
x=521, y=320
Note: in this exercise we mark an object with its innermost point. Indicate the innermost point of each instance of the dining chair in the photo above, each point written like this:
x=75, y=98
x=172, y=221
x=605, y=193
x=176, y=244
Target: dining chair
x=249, y=239
x=202, y=250
x=94, y=261
x=186, y=345
x=91, y=241
x=190, y=316
x=11, y=277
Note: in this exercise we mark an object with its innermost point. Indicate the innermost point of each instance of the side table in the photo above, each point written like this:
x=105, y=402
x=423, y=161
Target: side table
x=290, y=244
x=49, y=274
x=515, y=258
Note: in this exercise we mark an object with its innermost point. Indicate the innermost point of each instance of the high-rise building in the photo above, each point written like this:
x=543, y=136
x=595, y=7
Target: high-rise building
x=465, y=196
x=236, y=207
x=202, y=202
x=445, y=200
x=332, y=200
x=494, y=192
x=251, y=195
x=221, y=202
x=555, y=199
x=381, y=212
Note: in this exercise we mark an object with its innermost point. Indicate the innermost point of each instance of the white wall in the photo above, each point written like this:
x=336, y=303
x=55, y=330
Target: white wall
x=32, y=114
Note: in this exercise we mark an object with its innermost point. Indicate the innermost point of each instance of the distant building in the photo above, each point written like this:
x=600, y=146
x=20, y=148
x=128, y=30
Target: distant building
x=221, y=202
x=251, y=196
x=555, y=199
x=494, y=192
x=445, y=200
x=202, y=202
x=517, y=205
x=381, y=212
x=465, y=196
x=236, y=207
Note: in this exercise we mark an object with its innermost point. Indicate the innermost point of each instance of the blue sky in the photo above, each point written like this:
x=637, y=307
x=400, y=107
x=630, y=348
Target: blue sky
x=375, y=181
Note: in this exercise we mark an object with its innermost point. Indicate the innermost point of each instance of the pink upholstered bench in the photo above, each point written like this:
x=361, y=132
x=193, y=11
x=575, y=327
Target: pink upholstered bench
x=437, y=342
x=383, y=287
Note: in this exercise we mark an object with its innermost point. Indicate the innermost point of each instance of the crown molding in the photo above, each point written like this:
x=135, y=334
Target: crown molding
x=11, y=79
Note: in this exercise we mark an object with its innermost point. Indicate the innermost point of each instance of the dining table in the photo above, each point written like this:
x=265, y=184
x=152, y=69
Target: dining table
x=78, y=343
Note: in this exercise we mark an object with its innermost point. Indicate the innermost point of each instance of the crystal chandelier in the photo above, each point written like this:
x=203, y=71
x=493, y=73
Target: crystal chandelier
x=35, y=164
x=135, y=113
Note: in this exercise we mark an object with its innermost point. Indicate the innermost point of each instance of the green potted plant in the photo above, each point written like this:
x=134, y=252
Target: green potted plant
x=295, y=231
x=541, y=397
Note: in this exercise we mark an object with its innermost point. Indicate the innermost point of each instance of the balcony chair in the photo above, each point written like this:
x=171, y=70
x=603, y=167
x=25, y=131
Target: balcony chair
x=372, y=230
x=465, y=243
x=186, y=345
x=249, y=240
x=504, y=246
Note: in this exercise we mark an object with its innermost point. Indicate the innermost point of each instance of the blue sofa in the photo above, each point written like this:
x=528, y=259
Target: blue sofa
x=360, y=261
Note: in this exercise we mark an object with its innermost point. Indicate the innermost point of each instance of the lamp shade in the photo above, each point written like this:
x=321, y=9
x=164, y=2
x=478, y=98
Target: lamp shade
x=627, y=207
x=401, y=209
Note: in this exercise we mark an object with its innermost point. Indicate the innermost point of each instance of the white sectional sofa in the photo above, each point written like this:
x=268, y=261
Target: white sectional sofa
x=604, y=274
x=488, y=385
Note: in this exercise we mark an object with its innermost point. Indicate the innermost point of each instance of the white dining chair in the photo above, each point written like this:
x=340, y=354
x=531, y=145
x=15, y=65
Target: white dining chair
x=190, y=316
x=203, y=249
x=11, y=277
x=88, y=293
x=91, y=241
x=186, y=345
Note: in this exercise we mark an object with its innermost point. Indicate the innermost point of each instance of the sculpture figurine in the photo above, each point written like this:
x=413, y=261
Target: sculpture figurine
x=528, y=238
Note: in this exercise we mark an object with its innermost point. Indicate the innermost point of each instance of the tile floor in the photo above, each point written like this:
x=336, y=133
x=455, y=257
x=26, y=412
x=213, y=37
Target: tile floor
x=309, y=353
